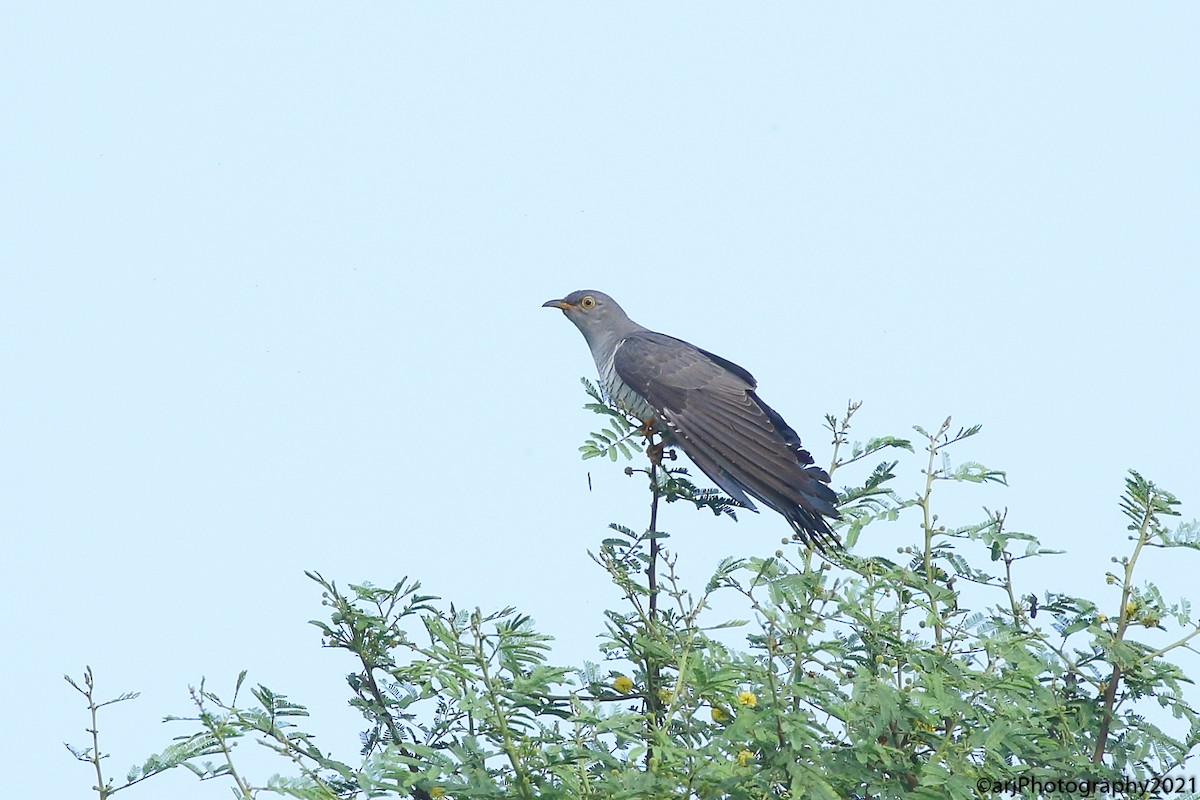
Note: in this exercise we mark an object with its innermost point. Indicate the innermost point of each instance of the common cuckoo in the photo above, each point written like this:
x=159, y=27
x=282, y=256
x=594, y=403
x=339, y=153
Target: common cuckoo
x=708, y=407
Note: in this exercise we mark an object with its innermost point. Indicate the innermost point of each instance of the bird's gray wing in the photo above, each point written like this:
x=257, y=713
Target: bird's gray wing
x=710, y=408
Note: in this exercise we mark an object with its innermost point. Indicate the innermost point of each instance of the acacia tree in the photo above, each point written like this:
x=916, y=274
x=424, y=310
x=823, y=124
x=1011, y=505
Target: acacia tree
x=871, y=678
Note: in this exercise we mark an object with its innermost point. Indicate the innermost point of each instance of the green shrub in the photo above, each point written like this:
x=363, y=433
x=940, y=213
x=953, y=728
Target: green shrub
x=868, y=678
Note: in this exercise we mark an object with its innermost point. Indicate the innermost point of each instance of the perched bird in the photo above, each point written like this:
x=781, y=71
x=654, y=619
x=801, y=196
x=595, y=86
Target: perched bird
x=708, y=407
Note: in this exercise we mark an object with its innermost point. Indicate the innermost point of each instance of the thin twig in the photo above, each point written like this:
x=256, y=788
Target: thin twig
x=377, y=695
x=1110, y=691
x=652, y=668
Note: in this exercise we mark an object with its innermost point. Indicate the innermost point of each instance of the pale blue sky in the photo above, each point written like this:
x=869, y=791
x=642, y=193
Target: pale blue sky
x=272, y=277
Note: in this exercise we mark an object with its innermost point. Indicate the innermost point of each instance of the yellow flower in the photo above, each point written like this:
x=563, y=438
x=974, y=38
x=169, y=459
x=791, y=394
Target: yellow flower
x=719, y=714
x=437, y=792
x=623, y=684
x=744, y=757
x=665, y=695
x=1130, y=608
x=747, y=699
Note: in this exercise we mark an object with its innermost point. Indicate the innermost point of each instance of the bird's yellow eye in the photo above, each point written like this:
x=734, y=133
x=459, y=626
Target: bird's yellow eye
x=587, y=303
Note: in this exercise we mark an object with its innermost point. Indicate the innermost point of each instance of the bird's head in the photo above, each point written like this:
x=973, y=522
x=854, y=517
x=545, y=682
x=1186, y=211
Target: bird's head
x=593, y=312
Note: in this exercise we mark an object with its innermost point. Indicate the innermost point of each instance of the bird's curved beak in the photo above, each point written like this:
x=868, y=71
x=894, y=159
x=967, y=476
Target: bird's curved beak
x=563, y=304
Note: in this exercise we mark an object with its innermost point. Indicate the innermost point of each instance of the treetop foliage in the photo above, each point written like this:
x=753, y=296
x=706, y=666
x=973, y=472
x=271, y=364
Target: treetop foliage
x=932, y=675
